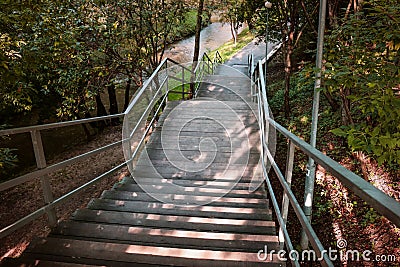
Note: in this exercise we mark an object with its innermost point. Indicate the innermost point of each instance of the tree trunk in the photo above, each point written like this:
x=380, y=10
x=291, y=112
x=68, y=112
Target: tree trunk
x=127, y=93
x=101, y=111
x=233, y=32
x=196, y=43
x=332, y=102
x=85, y=128
x=112, y=96
x=346, y=113
x=288, y=72
x=333, y=8
x=198, y=30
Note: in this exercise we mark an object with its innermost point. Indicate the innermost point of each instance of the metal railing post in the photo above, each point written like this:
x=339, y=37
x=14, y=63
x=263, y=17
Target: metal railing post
x=41, y=164
x=285, y=200
x=310, y=177
x=167, y=89
x=166, y=86
x=183, y=83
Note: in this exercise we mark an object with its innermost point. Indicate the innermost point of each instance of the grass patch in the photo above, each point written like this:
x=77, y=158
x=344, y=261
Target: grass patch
x=226, y=50
x=178, y=96
x=229, y=49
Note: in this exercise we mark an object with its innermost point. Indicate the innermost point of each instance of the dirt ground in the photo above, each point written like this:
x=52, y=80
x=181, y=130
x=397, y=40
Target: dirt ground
x=19, y=201
x=340, y=218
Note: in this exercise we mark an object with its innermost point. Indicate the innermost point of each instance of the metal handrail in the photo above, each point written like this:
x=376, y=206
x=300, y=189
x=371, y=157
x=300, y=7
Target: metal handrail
x=199, y=70
x=43, y=170
x=384, y=204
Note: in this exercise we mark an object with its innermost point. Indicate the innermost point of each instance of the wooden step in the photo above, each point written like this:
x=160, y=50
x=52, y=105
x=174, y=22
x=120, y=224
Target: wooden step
x=245, y=142
x=186, y=199
x=190, y=191
x=115, y=254
x=176, y=238
x=197, y=157
x=195, y=148
x=170, y=209
x=208, y=224
x=185, y=183
x=34, y=262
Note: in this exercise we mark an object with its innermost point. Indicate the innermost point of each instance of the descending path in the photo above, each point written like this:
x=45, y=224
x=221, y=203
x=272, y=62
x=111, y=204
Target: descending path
x=189, y=202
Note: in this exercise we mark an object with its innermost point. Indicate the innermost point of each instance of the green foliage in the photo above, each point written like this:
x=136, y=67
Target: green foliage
x=362, y=67
x=7, y=158
x=69, y=51
x=370, y=217
x=188, y=25
x=298, y=92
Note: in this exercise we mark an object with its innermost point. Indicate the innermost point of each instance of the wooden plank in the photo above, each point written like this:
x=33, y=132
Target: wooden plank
x=227, y=147
x=225, y=93
x=218, y=109
x=199, y=143
x=244, y=226
x=191, y=191
x=177, y=132
x=210, y=127
x=192, y=166
x=197, y=176
x=208, y=174
x=222, y=98
x=239, y=153
x=165, y=237
x=244, y=115
x=194, y=159
x=187, y=183
x=79, y=250
x=26, y=262
x=205, y=148
x=210, y=104
x=185, y=199
x=254, y=152
x=170, y=209
x=181, y=176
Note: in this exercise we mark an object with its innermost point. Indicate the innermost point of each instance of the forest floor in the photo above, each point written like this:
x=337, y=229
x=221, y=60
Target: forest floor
x=342, y=220
x=21, y=200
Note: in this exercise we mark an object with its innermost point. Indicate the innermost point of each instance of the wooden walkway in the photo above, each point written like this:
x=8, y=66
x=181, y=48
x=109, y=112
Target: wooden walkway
x=189, y=204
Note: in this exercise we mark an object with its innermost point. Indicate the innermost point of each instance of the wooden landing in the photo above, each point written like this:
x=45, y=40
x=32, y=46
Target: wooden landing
x=188, y=202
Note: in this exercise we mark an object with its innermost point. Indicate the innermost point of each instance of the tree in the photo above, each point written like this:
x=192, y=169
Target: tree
x=234, y=14
x=199, y=23
x=17, y=82
x=152, y=25
x=287, y=23
x=362, y=71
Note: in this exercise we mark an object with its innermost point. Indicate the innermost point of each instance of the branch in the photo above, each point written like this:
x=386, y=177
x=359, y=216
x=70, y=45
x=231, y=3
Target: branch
x=305, y=25
x=348, y=10
x=308, y=17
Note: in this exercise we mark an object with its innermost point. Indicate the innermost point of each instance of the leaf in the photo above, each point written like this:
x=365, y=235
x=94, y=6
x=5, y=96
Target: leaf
x=339, y=132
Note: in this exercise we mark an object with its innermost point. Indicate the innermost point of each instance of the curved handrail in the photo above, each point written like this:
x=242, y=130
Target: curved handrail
x=384, y=204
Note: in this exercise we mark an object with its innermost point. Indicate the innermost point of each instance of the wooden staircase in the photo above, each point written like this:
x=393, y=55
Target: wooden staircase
x=173, y=213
